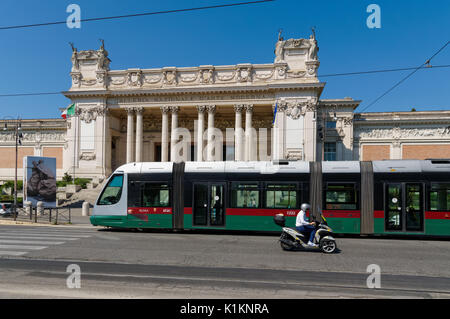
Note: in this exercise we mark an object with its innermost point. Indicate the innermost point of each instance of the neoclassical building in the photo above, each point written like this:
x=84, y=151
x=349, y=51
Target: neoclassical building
x=245, y=112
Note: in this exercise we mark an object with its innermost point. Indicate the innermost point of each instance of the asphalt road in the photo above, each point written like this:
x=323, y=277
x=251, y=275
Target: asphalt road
x=116, y=264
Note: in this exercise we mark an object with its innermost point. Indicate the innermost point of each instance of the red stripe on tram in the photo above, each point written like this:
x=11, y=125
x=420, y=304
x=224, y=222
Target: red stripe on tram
x=149, y=210
x=437, y=215
x=378, y=214
x=341, y=214
x=260, y=212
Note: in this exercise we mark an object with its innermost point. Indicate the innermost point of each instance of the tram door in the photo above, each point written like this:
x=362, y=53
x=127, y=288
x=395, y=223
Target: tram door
x=404, y=209
x=209, y=204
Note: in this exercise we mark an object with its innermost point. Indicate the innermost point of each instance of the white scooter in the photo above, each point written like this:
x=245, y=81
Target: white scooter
x=291, y=239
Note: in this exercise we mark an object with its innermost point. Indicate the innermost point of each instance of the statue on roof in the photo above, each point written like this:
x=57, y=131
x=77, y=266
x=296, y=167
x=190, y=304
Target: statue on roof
x=279, y=48
x=313, y=49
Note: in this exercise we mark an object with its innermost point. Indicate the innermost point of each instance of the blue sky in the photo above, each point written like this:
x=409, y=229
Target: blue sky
x=38, y=59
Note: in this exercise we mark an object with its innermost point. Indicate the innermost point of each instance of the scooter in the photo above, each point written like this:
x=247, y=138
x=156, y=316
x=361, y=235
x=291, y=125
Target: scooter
x=291, y=239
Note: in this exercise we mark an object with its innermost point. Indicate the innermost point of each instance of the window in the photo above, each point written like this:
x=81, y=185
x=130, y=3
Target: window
x=341, y=196
x=330, y=151
x=155, y=195
x=440, y=197
x=281, y=196
x=112, y=192
x=244, y=195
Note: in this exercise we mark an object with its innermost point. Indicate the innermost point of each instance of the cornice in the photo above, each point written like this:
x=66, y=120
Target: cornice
x=272, y=88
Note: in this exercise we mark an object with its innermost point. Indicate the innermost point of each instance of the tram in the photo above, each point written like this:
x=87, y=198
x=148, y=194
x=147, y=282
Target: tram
x=391, y=197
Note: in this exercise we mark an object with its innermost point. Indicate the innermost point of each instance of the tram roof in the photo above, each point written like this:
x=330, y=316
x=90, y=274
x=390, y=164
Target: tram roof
x=386, y=166
x=411, y=166
x=248, y=167
x=340, y=167
x=218, y=167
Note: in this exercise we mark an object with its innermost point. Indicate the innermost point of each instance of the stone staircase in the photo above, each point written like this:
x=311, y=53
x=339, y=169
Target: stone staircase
x=74, y=195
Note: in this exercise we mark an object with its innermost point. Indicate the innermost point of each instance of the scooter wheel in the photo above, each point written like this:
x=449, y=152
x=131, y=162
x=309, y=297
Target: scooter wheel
x=328, y=246
x=286, y=246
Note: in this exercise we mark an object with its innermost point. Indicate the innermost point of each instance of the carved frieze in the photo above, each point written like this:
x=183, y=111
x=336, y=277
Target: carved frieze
x=296, y=108
x=170, y=77
x=404, y=133
x=134, y=78
x=89, y=114
x=206, y=76
x=87, y=156
x=244, y=74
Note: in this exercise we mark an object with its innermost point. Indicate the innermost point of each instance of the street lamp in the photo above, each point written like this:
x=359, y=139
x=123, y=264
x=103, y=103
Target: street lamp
x=17, y=127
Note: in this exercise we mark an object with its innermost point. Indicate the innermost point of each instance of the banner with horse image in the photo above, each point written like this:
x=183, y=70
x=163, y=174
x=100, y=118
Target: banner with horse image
x=40, y=180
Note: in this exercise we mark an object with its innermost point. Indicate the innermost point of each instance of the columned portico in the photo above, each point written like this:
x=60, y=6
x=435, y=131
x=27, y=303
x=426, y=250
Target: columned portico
x=249, y=146
x=210, y=133
x=165, y=133
x=173, y=135
x=139, y=133
x=130, y=134
x=238, y=147
x=200, y=130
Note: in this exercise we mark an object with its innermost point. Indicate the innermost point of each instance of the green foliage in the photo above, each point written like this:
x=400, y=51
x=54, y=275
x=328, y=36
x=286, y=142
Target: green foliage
x=78, y=181
x=10, y=199
x=67, y=178
x=82, y=182
x=10, y=184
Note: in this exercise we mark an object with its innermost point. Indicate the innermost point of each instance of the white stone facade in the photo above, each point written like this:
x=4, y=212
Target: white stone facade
x=208, y=113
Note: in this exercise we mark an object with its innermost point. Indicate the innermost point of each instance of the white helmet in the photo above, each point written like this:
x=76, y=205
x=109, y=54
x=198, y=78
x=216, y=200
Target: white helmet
x=305, y=207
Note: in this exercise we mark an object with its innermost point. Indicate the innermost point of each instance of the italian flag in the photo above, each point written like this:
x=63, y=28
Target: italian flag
x=69, y=111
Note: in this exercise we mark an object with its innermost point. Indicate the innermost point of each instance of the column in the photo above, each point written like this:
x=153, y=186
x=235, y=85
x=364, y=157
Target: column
x=200, y=130
x=130, y=134
x=173, y=134
x=210, y=147
x=238, y=149
x=248, y=132
x=165, y=134
x=139, y=133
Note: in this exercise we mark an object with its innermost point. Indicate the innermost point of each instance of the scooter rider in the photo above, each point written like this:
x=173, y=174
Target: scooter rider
x=303, y=225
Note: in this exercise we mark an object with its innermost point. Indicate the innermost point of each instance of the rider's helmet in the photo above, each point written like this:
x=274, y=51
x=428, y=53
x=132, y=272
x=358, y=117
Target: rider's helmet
x=305, y=207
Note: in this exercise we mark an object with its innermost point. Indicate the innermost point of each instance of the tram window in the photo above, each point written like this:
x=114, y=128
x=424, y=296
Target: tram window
x=440, y=197
x=112, y=192
x=281, y=196
x=341, y=196
x=244, y=195
x=155, y=195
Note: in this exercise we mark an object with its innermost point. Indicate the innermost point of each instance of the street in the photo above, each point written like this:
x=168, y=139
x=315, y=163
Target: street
x=133, y=264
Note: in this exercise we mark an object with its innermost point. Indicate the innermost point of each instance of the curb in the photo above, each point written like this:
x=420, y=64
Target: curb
x=26, y=223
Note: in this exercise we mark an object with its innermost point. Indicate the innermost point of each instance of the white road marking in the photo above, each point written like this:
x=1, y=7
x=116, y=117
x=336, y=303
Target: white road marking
x=34, y=237
x=7, y=241
x=12, y=253
x=22, y=247
x=45, y=234
x=20, y=242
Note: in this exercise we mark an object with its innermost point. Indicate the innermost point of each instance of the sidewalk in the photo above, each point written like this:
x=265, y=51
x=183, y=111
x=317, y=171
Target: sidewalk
x=76, y=219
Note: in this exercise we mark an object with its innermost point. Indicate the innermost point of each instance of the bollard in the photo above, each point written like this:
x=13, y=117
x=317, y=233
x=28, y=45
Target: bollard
x=28, y=208
x=85, y=209
x=39, y=208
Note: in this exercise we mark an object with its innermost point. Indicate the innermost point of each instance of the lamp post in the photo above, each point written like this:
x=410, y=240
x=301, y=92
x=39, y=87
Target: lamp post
x=17, y=126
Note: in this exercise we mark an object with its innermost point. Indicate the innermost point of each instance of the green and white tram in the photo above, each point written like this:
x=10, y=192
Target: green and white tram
x=407, y=197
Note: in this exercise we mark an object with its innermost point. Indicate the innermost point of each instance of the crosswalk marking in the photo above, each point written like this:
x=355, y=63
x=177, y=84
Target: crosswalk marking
x=35, y=237
x=45, y=234
x=34, y=242
x=14, y=242
x=22, y=247
x=12, y=253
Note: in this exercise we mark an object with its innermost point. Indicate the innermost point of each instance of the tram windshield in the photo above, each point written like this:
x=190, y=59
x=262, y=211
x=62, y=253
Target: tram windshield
x=112, y=192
